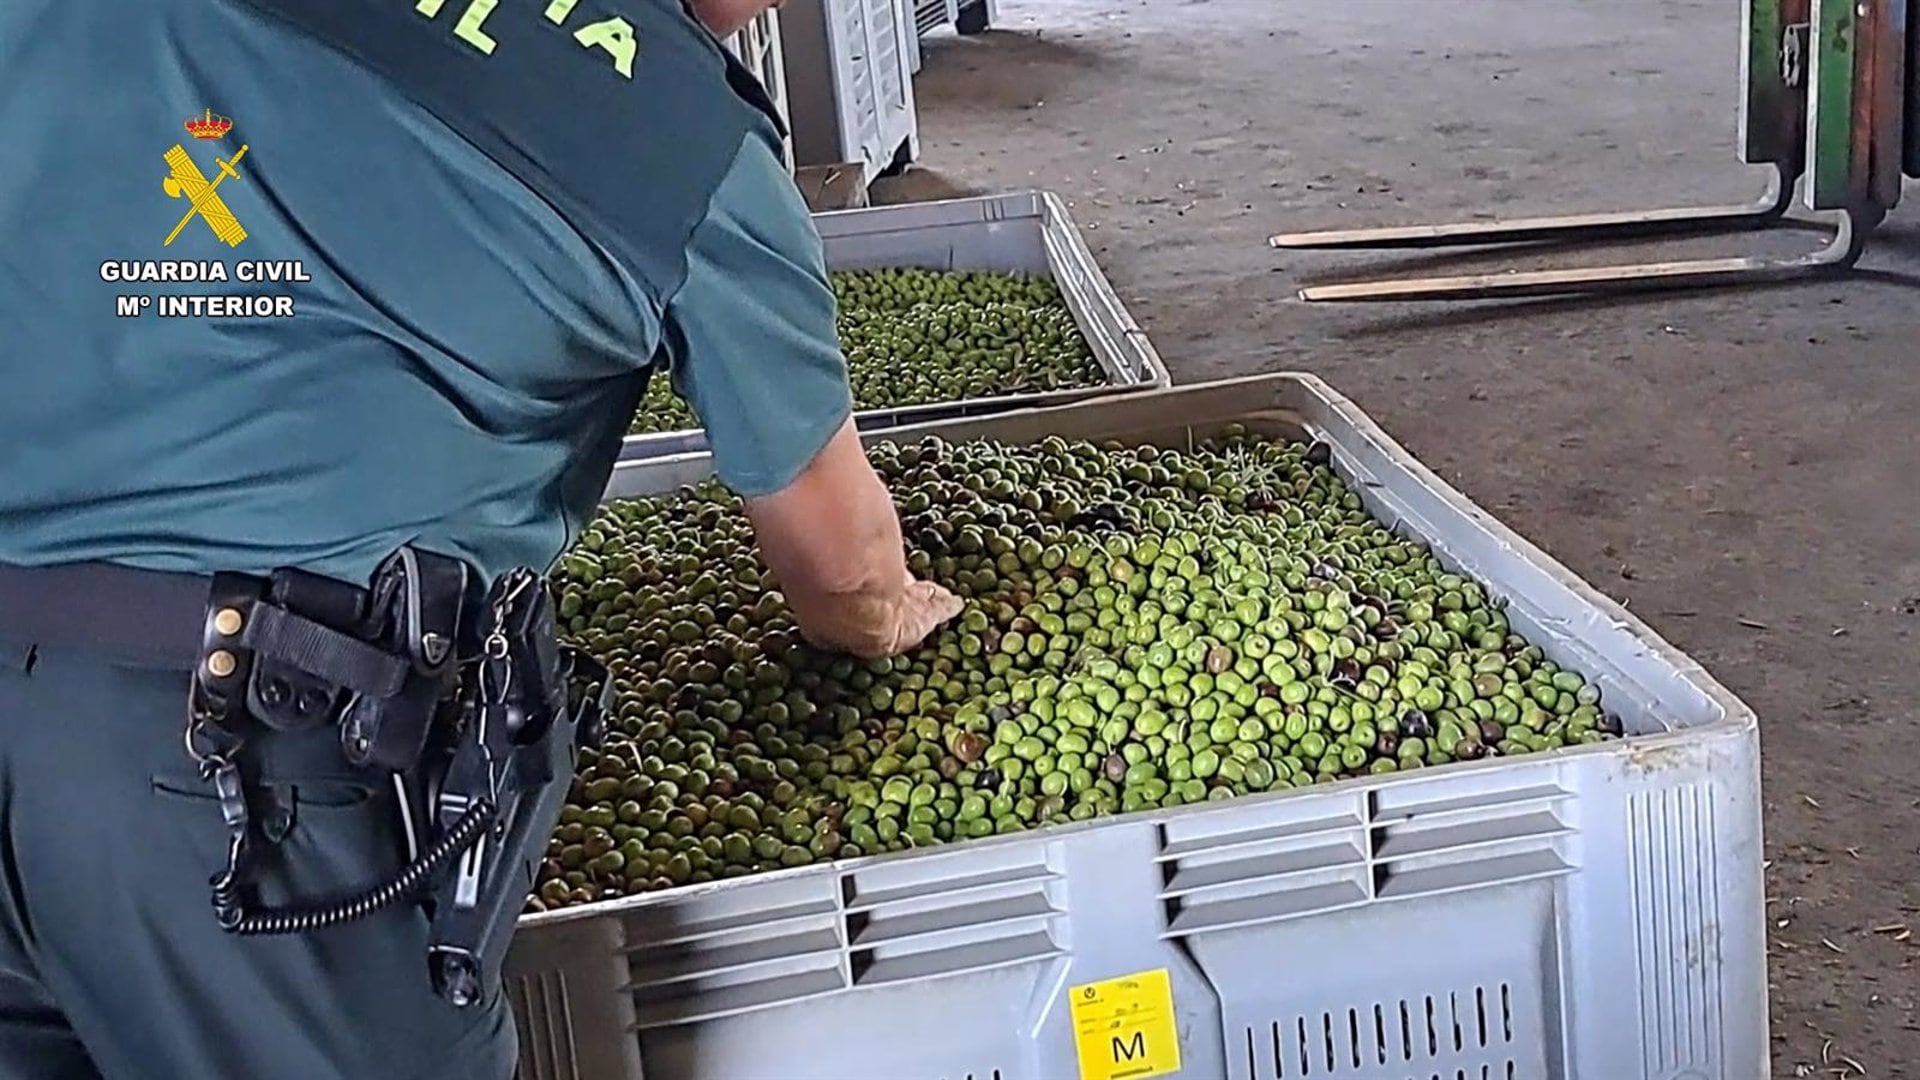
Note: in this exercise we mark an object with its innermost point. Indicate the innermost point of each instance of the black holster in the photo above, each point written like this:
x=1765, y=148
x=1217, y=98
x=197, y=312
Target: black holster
x=469, y=708
x=517, y=756
x=297, y=649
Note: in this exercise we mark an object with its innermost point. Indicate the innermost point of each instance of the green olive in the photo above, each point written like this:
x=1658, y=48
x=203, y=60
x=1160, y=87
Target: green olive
x=1143, y=628
x=916, y=337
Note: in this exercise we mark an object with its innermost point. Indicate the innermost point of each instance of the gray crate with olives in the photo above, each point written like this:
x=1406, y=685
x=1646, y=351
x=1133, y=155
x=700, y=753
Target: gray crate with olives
x=963, y=307
x=1239, y=684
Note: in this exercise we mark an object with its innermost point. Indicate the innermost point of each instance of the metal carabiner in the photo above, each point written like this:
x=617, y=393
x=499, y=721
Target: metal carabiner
x=201, y=726
x=519, y=580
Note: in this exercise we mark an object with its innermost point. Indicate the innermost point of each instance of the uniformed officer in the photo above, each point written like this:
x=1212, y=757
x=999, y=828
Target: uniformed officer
x=489, y=219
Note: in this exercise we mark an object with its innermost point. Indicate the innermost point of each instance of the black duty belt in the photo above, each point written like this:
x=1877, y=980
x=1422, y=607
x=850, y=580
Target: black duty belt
x=146, y=617
x=383, y=654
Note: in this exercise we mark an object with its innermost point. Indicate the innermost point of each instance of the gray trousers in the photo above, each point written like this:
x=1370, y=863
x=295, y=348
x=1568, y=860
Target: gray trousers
x=111, y=964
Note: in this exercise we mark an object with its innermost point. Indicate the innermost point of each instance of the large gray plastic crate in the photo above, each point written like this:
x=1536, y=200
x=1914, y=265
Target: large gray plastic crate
x=1026, y=232
x=849, y=71
x=1593, y=913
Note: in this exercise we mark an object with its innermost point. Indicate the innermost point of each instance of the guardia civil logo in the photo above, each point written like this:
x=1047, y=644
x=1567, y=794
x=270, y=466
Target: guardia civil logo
x=188, y=182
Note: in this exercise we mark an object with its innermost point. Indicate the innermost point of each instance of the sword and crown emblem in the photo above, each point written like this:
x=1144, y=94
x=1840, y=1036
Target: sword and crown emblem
x=188, y=182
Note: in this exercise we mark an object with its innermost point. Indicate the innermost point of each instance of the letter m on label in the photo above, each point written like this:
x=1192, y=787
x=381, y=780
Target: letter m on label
x=1136, y=1047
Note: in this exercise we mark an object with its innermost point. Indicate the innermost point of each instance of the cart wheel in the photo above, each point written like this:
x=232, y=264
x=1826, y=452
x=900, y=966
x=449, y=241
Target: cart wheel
x=972, y=20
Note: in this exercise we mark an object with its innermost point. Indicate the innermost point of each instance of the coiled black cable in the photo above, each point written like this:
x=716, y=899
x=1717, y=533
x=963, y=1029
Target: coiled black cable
x=230, y=908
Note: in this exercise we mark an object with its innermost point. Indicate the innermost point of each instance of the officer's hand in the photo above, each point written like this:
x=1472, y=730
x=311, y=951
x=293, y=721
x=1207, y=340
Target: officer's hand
x=887, y=618
x=918, y=611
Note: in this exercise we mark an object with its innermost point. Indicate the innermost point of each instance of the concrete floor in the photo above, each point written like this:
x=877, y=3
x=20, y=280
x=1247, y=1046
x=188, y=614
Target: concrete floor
x=1739, y=467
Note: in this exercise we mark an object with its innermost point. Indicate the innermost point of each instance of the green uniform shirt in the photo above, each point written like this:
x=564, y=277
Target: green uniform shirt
x=460, y=361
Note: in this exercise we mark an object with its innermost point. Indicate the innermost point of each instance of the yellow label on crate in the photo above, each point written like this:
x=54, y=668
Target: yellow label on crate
x=1124, y=1028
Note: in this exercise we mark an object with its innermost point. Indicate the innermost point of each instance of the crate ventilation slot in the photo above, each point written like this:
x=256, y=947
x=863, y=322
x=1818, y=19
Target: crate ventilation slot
x=949, y=917
x=735, y=964
x=546, y=1027
x=1471, y=839
x=1674, y=872
x=648, y=936
x=1264, y=873
x=1454, y=1035
x=929, y=15
x=1231, y=870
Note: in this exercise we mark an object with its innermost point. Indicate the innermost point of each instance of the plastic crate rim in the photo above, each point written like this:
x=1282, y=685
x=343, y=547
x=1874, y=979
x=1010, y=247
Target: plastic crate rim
x=1029, y=202
x=1636, y=748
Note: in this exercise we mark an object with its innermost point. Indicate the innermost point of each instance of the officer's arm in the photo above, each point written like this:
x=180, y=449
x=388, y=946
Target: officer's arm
x=755, y=350
x=832, y=539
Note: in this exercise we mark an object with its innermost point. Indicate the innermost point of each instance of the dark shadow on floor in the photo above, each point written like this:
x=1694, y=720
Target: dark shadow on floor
x=968, y=72
x=918, y=185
